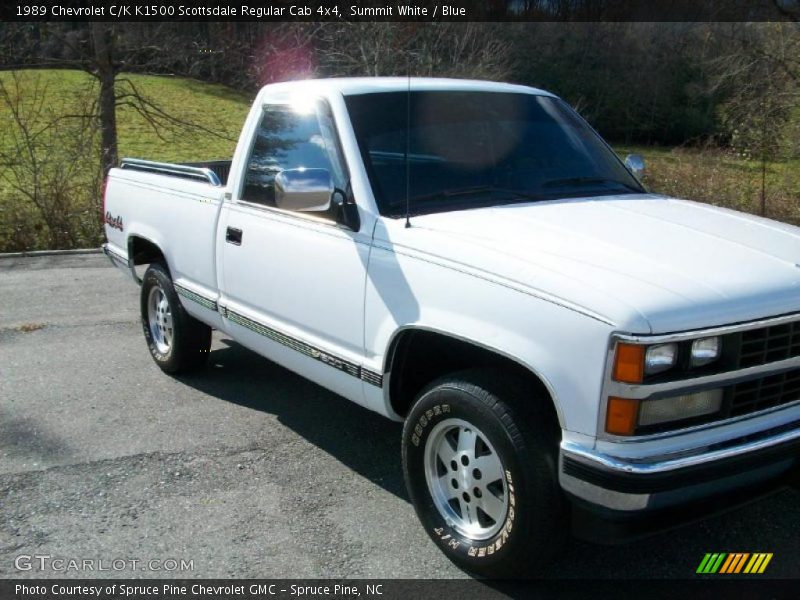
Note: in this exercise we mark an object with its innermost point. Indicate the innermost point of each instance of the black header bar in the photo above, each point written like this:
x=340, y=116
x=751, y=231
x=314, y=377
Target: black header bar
x=387, y=10
x=700, y=587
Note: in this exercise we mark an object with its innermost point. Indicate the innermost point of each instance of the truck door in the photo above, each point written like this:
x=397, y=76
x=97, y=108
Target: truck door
x=293, y=282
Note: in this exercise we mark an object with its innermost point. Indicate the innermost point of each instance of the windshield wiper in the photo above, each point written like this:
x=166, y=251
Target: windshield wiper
x=588, y=181
x=444, y=197
x=477, y=189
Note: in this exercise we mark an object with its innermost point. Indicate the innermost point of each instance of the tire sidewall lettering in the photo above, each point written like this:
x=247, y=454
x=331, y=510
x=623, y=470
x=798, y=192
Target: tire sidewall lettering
x=448, y=538
x=425, y=420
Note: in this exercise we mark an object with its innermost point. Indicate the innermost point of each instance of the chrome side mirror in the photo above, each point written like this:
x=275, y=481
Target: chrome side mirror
x=635, y=164
x=304, y=190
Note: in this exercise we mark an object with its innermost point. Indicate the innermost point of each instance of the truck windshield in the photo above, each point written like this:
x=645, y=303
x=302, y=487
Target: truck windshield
x=472, y=149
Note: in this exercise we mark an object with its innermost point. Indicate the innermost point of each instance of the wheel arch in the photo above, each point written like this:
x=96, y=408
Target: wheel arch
x=142, y=250
x=401, y=392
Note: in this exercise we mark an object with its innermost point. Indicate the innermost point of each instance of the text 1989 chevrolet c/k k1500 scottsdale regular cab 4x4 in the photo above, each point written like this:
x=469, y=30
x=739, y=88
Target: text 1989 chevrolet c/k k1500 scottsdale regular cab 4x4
x=559, y=342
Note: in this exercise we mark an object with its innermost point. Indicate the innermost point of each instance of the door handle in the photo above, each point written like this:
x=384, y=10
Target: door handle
x=233, y=236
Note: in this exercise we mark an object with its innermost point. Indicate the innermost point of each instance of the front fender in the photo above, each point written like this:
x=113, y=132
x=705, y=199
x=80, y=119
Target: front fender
x=565, y=349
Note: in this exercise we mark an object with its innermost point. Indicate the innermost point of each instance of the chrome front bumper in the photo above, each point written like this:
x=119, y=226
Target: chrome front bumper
x=621, y=484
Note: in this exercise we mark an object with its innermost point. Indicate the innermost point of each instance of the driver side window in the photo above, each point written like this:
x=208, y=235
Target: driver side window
x=291, y=139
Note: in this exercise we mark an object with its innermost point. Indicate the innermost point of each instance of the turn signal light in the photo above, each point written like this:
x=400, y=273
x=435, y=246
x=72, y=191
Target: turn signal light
x=629, y=363
x=621, y=415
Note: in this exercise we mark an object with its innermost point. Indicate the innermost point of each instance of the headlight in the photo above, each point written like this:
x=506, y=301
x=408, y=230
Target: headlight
x=660, y=358
x=678, y=408
x=624, y=415
x=633, y=362
x=705, y=351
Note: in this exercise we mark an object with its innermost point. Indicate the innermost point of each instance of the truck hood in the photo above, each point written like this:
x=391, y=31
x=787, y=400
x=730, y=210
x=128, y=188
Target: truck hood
x=643, y=263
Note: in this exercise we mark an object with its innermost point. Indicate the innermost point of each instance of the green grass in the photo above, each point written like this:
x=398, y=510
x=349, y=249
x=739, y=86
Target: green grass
x=721, y=177
x=215, y=115
x=213, y=107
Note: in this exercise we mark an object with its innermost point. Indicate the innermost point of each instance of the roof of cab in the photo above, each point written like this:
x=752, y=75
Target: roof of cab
x=365, y=85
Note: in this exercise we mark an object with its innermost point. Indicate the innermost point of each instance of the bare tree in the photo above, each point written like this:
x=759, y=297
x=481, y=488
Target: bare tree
x=425, y=49
x=760, y=74
x=104, y=69
x=43, y=158
x=282, y=52
x=104, y=51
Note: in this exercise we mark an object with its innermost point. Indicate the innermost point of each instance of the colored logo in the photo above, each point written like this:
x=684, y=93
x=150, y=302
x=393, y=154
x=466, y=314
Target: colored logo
x=114, y=222
x=734, y=563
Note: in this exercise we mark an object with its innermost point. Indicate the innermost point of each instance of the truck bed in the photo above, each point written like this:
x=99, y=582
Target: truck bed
x=214, y=172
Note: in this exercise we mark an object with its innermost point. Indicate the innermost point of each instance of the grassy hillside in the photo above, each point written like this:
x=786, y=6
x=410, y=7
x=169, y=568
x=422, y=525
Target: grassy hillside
x=720, y=177
x=213, y=107
x=211, y=118
x=209, y=106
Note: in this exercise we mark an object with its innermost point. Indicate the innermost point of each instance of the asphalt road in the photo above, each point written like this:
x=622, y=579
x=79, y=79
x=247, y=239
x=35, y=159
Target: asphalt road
x=245, y=469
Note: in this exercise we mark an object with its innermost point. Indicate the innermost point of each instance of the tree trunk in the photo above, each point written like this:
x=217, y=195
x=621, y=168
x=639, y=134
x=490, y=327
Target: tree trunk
x=106, y=75
x=764, y=167
x=764, y=186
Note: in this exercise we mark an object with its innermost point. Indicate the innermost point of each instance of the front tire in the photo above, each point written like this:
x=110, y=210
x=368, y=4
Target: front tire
x=479, y=457
x=177, y=341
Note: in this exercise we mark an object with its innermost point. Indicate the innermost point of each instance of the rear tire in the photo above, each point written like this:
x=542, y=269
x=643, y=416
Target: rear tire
x=480, y=455
x=177, y=341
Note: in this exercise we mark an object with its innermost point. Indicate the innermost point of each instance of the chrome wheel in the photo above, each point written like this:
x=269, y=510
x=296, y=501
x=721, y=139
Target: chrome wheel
x=466, y=479
x=159, y=317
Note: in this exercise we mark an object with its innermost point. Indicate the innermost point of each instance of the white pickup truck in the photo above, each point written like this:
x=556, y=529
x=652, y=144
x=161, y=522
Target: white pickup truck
x=472, y=259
